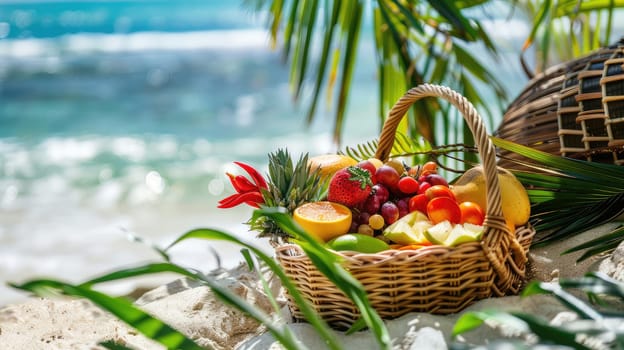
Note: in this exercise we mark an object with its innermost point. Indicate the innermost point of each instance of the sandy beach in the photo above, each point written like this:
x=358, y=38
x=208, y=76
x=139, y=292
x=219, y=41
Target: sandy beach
x=37, y=323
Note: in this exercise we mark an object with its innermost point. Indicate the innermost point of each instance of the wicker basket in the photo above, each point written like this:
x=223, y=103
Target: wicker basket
x=433, y=279
x=575, y=109
x=612, y=87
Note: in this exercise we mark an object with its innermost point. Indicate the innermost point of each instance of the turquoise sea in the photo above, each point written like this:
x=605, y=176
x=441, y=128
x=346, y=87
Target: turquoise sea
x=121, y=117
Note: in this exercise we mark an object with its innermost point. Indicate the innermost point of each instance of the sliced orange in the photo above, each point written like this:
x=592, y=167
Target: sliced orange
x=324, y=220
x=330, y=163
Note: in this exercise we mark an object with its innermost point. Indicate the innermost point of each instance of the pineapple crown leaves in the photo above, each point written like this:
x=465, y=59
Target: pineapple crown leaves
x=360, y=175
x=290, y=185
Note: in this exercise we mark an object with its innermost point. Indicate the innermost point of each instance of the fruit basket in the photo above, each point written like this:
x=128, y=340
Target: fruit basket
x=436, y=278
x=571, y=109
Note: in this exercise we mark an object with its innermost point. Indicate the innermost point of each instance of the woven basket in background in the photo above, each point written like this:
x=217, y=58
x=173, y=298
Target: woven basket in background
x=575, y=109
x=435, y=279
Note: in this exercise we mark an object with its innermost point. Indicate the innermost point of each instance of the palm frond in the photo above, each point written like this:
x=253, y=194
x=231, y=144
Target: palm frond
x=570, y=196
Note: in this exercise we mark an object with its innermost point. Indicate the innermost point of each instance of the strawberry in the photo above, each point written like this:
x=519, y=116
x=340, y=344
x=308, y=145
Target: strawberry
x=350, y=186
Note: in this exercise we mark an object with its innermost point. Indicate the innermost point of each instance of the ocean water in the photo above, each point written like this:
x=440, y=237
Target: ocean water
x=121, y=118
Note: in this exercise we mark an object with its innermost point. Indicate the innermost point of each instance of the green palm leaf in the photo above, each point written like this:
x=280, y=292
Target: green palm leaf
x=569, y=196
x=415, y=42
x=121, y=308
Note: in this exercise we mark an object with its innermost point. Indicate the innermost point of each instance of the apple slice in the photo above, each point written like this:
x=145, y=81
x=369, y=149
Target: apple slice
x=409, y=229
x=450, y=235
x=464, y=234
x=438, y=233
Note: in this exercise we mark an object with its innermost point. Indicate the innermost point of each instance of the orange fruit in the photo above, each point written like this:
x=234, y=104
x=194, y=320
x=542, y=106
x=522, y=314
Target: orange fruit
x=330, y=163
x=323, y=220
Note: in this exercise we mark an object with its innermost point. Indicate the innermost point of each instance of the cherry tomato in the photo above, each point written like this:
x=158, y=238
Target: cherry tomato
x=443, y=208
x=472, y=213
x=408, y=185
x=423, y=187
x=431, y=167
x=419, y=202
x=439, y=191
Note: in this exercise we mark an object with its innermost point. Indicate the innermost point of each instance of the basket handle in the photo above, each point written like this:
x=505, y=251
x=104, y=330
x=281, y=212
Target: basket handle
x=500, y=246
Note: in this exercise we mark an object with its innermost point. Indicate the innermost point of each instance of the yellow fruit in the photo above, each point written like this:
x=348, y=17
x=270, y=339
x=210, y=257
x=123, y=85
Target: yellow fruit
x=376, y=162
x=323, y=220
x=397, y=165
x=330, y=163
x=358, y=243
x=515, y=200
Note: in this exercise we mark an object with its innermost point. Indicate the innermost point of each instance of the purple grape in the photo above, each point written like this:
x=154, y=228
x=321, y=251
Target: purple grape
x=354, y=226
x=381, y=192
x=372, y=204
x=363, y=218
x=403, y=205
x=435, y=179
x=390, y=212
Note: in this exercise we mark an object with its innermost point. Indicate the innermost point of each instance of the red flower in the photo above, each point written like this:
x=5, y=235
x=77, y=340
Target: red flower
x=248, y=192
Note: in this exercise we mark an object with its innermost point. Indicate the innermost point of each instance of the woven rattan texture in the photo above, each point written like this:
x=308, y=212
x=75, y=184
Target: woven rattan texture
x=575, y=109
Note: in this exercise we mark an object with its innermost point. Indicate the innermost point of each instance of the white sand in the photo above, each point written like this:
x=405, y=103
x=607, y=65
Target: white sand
x=77, y=324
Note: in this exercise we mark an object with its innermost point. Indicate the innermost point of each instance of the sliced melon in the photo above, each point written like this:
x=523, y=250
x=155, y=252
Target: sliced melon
x=438, y=233
x=409, y=229
x=450, y=235
x=462, y=234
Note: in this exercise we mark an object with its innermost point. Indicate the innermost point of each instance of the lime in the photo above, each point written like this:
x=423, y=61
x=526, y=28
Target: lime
x=358, y=243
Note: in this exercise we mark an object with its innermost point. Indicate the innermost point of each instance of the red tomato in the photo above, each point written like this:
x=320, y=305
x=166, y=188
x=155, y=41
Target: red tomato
x=443, y=208
x=423, y=187
x=418, y=202
x=432, y=167
x=408, y=185
x=472, y=213
x=439, y=191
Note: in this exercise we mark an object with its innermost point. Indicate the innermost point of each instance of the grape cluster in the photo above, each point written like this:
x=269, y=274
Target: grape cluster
x=397, y=191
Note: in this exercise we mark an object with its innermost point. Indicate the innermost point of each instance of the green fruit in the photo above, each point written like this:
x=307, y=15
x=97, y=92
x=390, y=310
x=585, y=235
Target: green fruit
x=409, y=229
x=451, y=235
x=438, y=233
x=358, y=243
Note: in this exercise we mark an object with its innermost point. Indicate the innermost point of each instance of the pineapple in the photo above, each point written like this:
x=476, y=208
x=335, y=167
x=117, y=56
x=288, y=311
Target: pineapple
x=289, y=186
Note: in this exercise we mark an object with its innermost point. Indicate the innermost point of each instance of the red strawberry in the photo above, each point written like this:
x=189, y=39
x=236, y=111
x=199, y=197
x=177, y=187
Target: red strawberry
x=350, y=186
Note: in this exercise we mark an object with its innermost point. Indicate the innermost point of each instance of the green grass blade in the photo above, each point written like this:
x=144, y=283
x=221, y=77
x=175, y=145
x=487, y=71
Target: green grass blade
x=311, y=9
x=139, y=271
x=454, y=16
x=580, y=169
x=325, y=53
x=474, y=319
x=329, y=264
x=572, y=302
x=313, y=318
x=550, y=333
x=615, y=234
x=281, y=334
x=290, y=27
x=122, y=309
x=348, y=66
x=410, y=16
x=597, y=283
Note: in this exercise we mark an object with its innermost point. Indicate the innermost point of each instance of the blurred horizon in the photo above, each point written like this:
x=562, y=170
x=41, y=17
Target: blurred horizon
x=122, y=117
